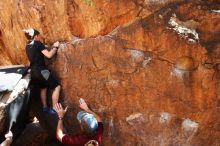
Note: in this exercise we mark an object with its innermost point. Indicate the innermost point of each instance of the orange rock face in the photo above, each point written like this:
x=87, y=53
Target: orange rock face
x=59, y=20
x=154, y=80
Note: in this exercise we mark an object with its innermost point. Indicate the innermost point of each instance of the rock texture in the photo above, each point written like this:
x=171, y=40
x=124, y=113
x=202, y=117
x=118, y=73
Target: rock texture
x=154, y=79
x=60, y=19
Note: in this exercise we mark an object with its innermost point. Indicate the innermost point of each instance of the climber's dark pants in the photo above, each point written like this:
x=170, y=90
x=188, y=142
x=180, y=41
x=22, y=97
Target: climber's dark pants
x=42, y=77
x=17, y=113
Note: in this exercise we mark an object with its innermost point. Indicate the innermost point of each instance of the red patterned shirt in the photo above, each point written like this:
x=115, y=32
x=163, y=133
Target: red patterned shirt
x=81, y=140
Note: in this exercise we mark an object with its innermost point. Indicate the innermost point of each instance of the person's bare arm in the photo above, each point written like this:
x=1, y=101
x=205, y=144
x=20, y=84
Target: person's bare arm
x=84, y=106
x=98, y=118
x=60, y=128
x=52, y=52
x=49, y=54
x=8, y=139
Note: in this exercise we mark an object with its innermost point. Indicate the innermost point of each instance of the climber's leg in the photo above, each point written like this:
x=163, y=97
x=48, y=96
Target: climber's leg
x=55, y=95
x=50, y=82
x=43, y=96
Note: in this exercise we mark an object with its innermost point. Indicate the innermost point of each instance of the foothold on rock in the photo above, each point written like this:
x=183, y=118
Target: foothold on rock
x=178, y=72
x=113, y=83
x=185, y=63
x=133, y=117
x=189, y=125
x=136, y=55
x=164, y=117
x=75, y=40
x=146, y=62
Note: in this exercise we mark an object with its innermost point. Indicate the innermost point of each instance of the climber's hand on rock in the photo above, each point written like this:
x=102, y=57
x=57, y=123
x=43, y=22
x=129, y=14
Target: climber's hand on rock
x=83, y=105
x=60, y=111
x=56, y=44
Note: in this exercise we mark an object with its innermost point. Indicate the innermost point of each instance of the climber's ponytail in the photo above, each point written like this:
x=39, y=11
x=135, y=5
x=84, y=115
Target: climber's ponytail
x=30, y=33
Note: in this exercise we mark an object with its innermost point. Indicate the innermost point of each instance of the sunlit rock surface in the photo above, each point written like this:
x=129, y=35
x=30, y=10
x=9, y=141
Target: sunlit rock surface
x=154, y=79
x=60, y=19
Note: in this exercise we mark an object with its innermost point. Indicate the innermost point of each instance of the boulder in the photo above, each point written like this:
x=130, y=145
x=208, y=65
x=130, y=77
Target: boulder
x=154, y=79
x=133, y=78
x=59, y=20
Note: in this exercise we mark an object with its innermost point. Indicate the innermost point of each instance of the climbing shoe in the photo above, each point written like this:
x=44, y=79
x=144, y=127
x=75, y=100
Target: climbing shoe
x=49, y=110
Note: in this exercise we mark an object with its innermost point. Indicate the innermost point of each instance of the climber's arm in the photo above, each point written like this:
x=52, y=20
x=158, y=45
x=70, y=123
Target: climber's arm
x=60, y=128
x=52, y=52
x=49, y=54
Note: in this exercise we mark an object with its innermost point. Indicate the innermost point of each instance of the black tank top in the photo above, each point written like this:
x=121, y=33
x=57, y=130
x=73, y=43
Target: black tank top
x=34, y=54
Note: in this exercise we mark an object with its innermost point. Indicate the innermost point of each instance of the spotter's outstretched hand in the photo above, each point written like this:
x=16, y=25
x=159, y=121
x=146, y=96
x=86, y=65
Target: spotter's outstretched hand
x=83, y=105
x=60, y=111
